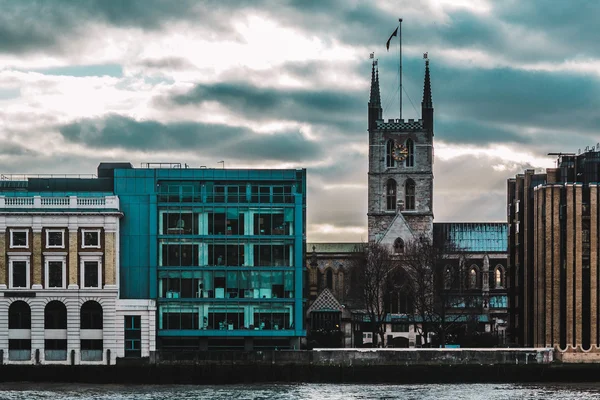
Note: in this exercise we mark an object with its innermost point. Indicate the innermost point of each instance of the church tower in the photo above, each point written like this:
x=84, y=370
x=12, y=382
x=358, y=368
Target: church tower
x=400, y=171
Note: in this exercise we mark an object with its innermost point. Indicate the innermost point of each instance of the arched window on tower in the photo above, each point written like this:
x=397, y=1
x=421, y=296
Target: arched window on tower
x=329, y=278
x=409, y=194
x=390, y=192
x=389, y=154
x=399, y=246
x=410, y=153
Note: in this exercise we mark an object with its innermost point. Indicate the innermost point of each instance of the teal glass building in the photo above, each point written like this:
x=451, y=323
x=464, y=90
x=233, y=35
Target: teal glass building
x=221, y=250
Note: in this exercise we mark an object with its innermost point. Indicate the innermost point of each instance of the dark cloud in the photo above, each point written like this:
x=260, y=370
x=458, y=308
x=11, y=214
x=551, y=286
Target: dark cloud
x=117, y=131
x=328, y=107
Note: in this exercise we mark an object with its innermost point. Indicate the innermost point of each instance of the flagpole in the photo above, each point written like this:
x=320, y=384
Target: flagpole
x=400, y=65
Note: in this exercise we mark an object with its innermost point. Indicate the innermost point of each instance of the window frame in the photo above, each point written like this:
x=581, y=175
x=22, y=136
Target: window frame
x=82, y=261
x=83, y=245
x=48, y=231
x=391, y=198
x=410, y=153
x=410, y=191
x=27, y=261
x=19, y=230
x=47, y=261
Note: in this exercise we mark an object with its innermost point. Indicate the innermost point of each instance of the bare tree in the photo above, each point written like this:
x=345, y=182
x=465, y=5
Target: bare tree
x=434, y=278
x=375, y=271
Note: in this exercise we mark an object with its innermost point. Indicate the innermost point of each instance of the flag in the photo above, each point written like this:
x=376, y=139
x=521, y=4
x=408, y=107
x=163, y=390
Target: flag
x=372, y=55
x=387, y=45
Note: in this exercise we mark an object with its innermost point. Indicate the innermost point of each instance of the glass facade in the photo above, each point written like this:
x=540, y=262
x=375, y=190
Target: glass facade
x=229, y=250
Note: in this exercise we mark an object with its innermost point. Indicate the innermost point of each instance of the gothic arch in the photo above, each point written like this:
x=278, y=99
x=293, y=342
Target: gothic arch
x=410, y=152
x=409, y=194
x=390, y=194
x=499, y=277
x=389, y=154
x=399, y=246
x=473, y=277
x=329, y=279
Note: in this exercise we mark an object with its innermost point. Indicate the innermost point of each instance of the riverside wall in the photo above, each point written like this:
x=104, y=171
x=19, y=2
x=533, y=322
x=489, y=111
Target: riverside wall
x=325, y=365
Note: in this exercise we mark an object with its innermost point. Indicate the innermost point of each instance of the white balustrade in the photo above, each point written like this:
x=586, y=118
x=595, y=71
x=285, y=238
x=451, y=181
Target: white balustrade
x=105, y=202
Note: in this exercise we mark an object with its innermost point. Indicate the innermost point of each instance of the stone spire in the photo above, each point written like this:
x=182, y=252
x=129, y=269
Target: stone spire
x=375, y=110
x=375, y=99
x=427, y=104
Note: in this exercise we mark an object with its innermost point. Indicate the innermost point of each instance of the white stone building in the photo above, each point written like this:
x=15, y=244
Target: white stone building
x=59, y=281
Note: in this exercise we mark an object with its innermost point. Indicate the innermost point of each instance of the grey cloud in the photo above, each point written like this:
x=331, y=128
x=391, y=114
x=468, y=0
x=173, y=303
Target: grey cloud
x=208, y=139
x=315, y=106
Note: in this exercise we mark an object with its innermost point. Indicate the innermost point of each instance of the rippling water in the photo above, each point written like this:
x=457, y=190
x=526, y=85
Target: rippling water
x=300, y=391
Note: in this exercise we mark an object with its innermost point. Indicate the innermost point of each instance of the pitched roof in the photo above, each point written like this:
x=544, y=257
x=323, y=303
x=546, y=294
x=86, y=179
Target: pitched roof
x=325, y=302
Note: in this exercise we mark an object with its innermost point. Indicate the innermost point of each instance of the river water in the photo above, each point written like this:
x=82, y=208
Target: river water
x=38, y=391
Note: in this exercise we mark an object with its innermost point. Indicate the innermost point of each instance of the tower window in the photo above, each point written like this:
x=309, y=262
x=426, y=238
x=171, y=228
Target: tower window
x=410, y=153
x=389, y=154
x=409, y=192
x=391, y=194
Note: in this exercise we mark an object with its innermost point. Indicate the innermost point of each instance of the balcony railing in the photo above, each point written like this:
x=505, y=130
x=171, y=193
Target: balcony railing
x=19, y=355
x=72, y=202
x=55, y=355
x=91, y=355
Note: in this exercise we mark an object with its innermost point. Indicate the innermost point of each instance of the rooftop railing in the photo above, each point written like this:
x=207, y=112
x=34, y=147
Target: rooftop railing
x=108, y=202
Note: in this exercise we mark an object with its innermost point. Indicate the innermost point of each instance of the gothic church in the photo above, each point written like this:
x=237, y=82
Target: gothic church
x=400, y=210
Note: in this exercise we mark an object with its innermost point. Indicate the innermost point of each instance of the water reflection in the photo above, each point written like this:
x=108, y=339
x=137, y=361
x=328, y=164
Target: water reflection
x=18, y=391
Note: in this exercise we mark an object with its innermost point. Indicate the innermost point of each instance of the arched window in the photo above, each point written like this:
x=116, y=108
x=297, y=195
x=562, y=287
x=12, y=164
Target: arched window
x=389, y=154
x=390, y=190
x=91, y=315
x=448, y=277
x=473, y=278
x=55, y=315
x=499, y=277
x=399, y=246
x=410, y=153
x=409, y=194
x=329, y=278
x=19, y=315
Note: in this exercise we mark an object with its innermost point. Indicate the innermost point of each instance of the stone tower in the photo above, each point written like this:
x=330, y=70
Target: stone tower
x=400, y=171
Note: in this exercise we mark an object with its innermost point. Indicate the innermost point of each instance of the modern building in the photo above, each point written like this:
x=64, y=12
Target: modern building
x=221, y=250
x=59, y=271
x=553, y=254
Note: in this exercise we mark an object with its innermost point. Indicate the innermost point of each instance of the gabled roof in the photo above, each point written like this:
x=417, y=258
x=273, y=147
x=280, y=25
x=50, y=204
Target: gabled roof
x=325, y=302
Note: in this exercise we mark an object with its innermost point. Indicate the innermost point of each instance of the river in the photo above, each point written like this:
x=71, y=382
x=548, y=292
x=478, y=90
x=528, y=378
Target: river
x=18, y=391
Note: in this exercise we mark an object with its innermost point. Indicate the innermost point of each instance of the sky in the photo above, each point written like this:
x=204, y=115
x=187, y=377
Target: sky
x=285, y=84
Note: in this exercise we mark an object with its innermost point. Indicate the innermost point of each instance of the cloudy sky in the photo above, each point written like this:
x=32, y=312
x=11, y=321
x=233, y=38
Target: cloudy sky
x=285, y=84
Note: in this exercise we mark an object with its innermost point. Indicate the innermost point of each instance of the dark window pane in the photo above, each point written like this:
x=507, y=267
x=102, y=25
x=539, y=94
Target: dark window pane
x=19, y=239
x=55, y=274
x=90, y=274
x=55, y=238
x=19, y=272
x=91, y=239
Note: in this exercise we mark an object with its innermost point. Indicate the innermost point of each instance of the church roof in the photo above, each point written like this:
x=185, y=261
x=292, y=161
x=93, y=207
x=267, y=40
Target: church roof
x=325, y=302
x=400, y=125
x=475, y=237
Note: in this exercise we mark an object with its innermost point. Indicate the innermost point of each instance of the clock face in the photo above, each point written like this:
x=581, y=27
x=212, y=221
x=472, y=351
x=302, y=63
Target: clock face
x=400, y=152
